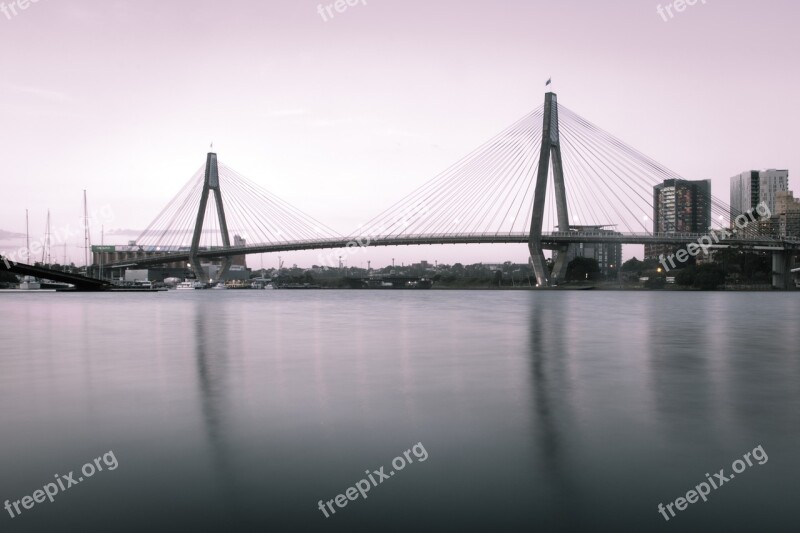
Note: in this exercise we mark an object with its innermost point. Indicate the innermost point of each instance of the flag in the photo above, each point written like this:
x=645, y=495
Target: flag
x=549, y=80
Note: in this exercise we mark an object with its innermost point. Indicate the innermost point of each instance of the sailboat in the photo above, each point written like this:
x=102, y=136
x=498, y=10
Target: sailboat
x=28, y=283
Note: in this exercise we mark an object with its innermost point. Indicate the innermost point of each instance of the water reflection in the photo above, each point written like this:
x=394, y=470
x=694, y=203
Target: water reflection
x=553, y=410
x=682, y=371
x=550, y=357
x=212, y=351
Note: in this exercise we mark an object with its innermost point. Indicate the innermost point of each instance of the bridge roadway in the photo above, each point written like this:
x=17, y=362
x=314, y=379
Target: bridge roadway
x=551, y=240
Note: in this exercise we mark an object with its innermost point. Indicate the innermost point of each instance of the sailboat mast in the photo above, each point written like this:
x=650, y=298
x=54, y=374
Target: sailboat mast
x=27, y=240
x=102, y=242
x=86, y=236
x=46, y=247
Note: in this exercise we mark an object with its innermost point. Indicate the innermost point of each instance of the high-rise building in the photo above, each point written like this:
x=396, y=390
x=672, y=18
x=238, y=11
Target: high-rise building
x=787, y=214
x=239, y=260
x=679, y=206
x=682, y=206
x=750, y=188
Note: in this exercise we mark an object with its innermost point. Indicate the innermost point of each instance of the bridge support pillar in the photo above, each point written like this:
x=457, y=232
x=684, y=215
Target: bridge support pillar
x=782, y=277
x=551, y=150
x=211, y=184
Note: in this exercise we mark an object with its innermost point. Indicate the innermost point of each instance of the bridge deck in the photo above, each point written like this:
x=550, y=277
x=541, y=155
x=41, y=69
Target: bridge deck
x=549, y=240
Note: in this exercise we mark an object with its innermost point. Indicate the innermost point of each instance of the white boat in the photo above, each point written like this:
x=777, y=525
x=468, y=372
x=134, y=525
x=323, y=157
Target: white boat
x=190, y=285
x=220, y=286
x=29, y=283
x=259, y=283
x=269, y=287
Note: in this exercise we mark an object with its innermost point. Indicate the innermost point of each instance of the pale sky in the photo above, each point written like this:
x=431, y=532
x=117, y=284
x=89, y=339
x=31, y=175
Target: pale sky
x=343, y=117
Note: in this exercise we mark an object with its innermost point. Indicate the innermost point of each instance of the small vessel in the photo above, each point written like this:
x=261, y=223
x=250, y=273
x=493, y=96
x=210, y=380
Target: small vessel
x=390, y=283
x=237, y=284
x=220, y=286
x=29, y=283
x=269, y=287
x=56, y=285
x=190, y=285
x=261, y=283
x=300, y=286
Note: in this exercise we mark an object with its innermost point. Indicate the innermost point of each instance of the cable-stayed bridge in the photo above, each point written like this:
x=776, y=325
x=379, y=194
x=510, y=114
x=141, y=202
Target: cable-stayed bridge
x=550, y=180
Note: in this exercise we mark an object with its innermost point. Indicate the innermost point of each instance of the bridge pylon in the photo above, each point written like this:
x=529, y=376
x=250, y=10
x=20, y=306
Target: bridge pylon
x=550, y=150
x=211, y=183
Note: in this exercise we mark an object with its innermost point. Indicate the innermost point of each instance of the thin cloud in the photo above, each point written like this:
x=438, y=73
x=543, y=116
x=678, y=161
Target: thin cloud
x=42, y=94
x=124, y=231
x=10, y=235
x=330, y=122
x=288, y=113
x=404, y=134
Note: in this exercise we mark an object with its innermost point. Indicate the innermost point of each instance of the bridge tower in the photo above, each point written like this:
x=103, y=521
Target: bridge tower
x=551, y=149
x=211, y=184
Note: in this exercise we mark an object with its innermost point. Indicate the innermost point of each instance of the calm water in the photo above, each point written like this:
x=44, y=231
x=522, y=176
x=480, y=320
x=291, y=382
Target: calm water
x=549, y=411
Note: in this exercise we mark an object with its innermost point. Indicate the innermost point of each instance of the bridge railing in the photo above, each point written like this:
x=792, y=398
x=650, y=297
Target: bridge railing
x=366, y=239
x=670, y=235
x=555, y=237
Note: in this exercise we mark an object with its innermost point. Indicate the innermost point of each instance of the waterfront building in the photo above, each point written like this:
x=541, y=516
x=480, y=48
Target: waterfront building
x=679, y=206
x=607, y=255
x=239, y=260
x=787, y=214
x=752, y=187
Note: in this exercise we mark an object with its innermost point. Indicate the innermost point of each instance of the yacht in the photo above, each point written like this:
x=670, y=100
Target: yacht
x=190, y=285
x=29, y=283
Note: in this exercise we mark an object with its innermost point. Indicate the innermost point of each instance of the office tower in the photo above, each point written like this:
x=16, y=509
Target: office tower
x=679, y=206
x=787, y=214
x=750, y=188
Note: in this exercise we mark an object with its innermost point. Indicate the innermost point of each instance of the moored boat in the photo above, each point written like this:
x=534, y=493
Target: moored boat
x=190, y=285
x=29, y=283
